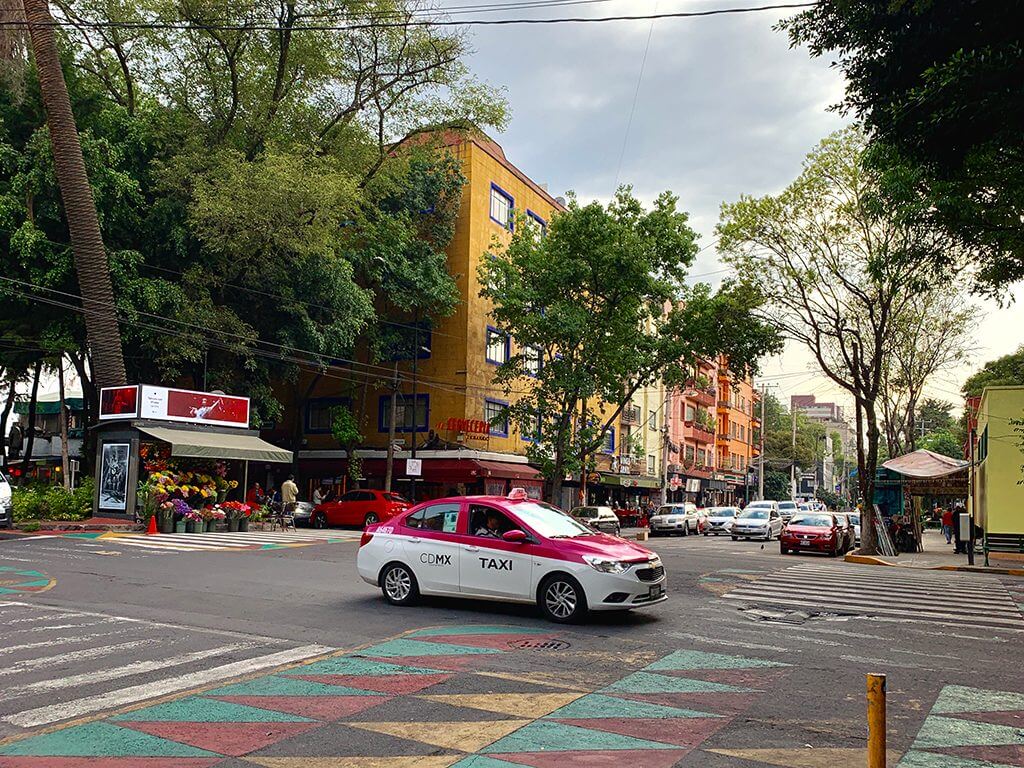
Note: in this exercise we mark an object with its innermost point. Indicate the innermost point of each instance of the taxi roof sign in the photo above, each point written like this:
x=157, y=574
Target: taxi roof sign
x=518, y=494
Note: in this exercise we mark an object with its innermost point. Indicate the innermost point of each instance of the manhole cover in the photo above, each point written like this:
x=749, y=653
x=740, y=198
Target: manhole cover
x=539, y=645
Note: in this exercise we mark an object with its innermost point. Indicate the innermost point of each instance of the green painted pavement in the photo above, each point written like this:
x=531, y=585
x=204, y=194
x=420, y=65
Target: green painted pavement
x=540, y=736
x=350, y=665
x=959, y=698
x=196, y=709
x=36, y=583
x=483, y=761
x=701, y=660
x=482, y=629
x=597, y=705
x=286, y=686
x=646, y=682
x=402, y=647
x=954, y=732
x=83, y=535
x=101, y=740
x=9, y=568
x=915, y=759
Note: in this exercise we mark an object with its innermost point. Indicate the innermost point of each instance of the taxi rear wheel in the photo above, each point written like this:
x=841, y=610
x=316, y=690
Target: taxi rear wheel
x=399, y=585
x=562, y=599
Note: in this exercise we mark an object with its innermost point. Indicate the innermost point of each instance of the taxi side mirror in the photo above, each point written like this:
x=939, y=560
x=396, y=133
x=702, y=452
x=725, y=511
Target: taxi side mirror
x=514, y=536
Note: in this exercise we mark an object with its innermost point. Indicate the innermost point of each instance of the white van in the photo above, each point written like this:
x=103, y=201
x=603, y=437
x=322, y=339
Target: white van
x=6, y=507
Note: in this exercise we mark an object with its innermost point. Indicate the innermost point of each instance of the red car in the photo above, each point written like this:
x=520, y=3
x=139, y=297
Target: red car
x=813, y=532
x=362, y=507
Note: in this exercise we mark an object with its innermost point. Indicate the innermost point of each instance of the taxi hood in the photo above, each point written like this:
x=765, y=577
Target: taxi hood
x=603, y=545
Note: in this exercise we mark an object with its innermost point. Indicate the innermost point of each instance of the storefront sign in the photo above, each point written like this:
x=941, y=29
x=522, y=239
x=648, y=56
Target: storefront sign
x=149, y=402
x=692, y=484
x=471, y=427
x=414, y=467
x=675, y=483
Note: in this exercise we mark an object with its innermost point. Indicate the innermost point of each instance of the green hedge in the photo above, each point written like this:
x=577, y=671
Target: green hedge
x=52, y=502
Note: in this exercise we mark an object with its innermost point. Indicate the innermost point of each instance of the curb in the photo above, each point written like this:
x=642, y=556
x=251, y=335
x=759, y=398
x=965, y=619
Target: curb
x=869, y=560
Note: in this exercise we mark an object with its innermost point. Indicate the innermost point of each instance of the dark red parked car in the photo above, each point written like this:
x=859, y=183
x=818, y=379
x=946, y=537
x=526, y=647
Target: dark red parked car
x=362, y=507
x=813, y=532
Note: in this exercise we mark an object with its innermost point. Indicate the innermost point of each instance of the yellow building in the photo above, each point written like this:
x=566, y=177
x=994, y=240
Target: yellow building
x=996, y=489
x=456, y=402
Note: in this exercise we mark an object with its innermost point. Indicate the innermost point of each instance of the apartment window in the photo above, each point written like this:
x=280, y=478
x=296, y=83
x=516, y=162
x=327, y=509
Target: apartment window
x=496, y=415
x=540, y=227
x=609, y=441
x=743, y=433
x=702, y=457
x=497, y=346
x=406, y=414
x=650, y=464
x=652, y=421
x=533, y=361
x=689, y=413
x=319, y=416
x=502, y=206
x=690, y=453
x=532, y=432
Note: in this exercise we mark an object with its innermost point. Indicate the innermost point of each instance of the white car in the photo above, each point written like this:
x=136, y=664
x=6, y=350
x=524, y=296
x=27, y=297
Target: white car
x=6, y=505
x=787, y=509
x=512, y=549
x=599, y=518
x=855, y=521
x=760, y=520
x=720, y=519
x=675, y=519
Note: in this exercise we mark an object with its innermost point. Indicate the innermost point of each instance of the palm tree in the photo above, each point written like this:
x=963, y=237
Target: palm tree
x=101, y=330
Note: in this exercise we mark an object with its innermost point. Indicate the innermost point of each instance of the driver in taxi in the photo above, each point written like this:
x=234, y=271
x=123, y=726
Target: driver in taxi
x=492, y=528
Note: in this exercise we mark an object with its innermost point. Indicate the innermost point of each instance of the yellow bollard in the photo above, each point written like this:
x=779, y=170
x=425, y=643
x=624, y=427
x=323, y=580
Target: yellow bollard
x=876, y=721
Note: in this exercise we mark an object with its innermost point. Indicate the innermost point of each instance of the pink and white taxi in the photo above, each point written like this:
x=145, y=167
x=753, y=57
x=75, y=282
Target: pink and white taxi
x=512, y=549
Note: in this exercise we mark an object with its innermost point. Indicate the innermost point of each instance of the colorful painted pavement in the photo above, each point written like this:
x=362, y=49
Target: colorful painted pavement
x=435, y=698
x=21, y=582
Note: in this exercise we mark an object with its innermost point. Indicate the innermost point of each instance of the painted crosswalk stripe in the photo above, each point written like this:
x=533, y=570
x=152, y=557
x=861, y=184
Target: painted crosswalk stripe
x=243, y=540
x=69, y=656
x=54, y=713
x=891, y=594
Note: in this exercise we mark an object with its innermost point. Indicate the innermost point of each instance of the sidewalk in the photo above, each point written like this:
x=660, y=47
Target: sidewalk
x=938, y=555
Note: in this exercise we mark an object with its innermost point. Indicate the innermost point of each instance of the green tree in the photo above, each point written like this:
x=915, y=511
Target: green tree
x=937, y=85
x=1006, y=371
x=776, y=484
x=944, y=442
x=345, y=429
x=838, y=273
x=935, y=415
x=600, y=302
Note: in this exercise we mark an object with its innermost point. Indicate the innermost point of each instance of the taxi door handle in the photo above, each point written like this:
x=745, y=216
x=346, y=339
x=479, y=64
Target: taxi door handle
x=415, y=539
x=471, y=548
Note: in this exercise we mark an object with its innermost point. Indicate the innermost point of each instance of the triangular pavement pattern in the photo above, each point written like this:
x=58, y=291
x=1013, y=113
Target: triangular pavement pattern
x=647, y=682
x=349, y=665
x=917, y=759
x=543, y=735
x=596, y=758
x=405, y=761
x=404, y=647
x=452, y=663
x=478, y=629
x=598, y=705
x=702, y=660
x=939, y=732
x=680, y=732
x=393, y=684
x=531, y=705
x=499, y=642
x=196, y=709
x=1014, y=718
x=719, y=703
x=233, y=739
x=462, y=736
x=755, y=678
x=483, y=761
x=99, y=740
x=272, y=685
x=313, y=707
x=49, y=761
x=959, y=698
x=802, y=757
x=1010, y=754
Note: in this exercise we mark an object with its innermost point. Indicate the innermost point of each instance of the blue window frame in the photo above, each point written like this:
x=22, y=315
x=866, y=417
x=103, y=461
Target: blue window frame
x=502, y=207
x=498, y=346
x=405, y=413
x=318, y=413
x=609, y=441
x=496, y=416
x=532, y=432
x=537, y=221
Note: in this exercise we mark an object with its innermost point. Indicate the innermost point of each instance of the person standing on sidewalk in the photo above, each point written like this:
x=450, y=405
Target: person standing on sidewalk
x=947, y=525
x=289, y=493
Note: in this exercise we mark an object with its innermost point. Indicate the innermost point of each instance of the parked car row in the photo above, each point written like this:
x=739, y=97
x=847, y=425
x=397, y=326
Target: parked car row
x=829, y=532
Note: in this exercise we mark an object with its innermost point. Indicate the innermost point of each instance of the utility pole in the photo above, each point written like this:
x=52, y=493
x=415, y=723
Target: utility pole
x=666, y=440
x=64, y=463
x=415, y=403
x=792, y=456
x=760, y=473
x=389, y=470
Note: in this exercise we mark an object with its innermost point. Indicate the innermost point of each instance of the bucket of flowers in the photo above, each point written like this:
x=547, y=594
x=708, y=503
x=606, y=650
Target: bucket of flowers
x=238, y=515
x=180, y=508
x=214, y=516
x=194, y=522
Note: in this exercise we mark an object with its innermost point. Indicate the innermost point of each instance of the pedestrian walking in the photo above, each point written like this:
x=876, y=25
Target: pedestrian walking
x=947, y=525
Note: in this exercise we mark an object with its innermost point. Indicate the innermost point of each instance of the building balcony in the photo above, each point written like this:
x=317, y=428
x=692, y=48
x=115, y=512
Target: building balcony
x=675, y=469
x=630, y=415
x=701, y=397
x=723, y=406
x=697, y=433
x=723, y=440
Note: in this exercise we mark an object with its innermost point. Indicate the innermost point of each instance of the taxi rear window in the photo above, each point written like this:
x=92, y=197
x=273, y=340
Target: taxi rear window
x=436, y=517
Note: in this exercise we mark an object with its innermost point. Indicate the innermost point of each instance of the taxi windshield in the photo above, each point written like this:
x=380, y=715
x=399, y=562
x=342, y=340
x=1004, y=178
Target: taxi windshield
x=550, y=522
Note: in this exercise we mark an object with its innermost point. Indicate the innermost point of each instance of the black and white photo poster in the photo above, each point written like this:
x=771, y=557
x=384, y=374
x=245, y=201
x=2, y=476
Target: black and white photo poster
x=114, y=477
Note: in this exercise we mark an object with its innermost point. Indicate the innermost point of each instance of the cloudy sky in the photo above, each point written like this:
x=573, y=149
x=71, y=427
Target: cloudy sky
x=724, y=108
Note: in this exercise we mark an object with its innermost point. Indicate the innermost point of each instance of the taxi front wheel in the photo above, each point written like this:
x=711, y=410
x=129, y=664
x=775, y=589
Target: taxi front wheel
x=562, y=599
x=399, y=585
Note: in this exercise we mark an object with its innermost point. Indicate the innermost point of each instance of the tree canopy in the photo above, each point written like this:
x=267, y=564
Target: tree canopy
x=1005, y=371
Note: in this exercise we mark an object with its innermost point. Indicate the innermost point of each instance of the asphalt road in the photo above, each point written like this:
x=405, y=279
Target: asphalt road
x=756, y=659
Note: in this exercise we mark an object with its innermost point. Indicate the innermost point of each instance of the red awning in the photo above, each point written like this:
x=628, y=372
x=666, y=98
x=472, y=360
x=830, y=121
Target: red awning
x=508, y=470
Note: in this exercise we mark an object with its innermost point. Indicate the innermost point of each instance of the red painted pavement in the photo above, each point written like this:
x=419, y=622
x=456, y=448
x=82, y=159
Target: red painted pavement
x=1009, y=754
x=315, y=707
x=379, y=683
x=47, y=761
x=500, y=642
x=613, y=758
x=452, y=663
x=233, y=739
x=678, y=731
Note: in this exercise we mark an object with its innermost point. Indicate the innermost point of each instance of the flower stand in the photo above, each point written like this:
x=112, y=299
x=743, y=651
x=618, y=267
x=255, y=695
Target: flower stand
x=232, y=524
x=193, y=526
x=243, y=524
x=179, y=526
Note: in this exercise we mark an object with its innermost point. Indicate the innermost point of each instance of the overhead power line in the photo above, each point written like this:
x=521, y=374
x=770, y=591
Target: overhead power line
x=186, y=26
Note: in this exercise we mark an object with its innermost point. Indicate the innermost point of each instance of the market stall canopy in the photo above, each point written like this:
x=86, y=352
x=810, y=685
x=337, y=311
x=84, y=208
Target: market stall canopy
x=218, y=445
x=924, y=463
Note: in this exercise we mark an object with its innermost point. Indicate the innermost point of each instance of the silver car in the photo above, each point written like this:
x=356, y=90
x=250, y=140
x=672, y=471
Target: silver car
x=760, y=520
x=720, y=519
x=675, y=520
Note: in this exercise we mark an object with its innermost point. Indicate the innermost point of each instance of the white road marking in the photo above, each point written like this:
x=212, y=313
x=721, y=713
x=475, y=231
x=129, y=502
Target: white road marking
x=69, y=657
x=211, y=542
x=126, y=670
x=65, y=711
x=4, y=649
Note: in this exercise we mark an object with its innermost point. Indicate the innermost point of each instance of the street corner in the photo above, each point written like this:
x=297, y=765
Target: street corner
x=473, y=696
x=16, y=582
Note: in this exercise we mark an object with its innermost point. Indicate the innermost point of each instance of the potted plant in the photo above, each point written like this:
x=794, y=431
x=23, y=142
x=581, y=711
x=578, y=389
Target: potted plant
x=165, y=519
x=179, y=508
x=216, y=517
x=194, y=521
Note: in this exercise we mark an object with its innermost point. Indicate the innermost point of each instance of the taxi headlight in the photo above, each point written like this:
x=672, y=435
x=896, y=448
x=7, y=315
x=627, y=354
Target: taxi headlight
x=606, y=566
